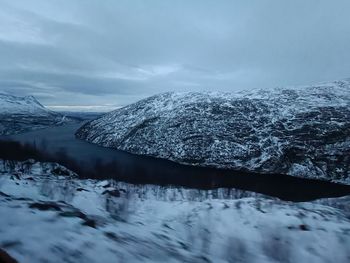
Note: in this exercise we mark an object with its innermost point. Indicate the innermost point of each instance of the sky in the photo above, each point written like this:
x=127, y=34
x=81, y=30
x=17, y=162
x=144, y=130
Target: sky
x=99, y=55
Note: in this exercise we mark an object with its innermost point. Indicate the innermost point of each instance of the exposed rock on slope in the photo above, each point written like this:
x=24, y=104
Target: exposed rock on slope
x=300, y=131
x=21, y=114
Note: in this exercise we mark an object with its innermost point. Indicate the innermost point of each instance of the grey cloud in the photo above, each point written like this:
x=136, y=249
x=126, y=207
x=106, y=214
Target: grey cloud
x=131, y=49
x=70, y=82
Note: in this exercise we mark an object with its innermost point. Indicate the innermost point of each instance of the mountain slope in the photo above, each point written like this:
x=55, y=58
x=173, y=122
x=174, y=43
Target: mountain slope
x=20, y=114
x=300, y=131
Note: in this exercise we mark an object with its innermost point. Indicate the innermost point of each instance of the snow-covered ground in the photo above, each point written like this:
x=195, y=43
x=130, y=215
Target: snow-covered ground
x=300, y=131
x=48, y=215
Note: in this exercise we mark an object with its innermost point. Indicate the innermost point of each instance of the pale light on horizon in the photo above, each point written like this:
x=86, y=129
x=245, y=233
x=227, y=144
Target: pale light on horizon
x=83, y=108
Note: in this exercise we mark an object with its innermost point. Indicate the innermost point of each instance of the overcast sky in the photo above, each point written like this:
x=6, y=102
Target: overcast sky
x=111, y=53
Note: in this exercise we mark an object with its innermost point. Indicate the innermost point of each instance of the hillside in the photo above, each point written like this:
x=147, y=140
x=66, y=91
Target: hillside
x=300, y=131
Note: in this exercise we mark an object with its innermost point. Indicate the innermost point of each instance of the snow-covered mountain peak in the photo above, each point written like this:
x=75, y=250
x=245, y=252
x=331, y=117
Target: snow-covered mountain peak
x=32, y=99
x=10, y=104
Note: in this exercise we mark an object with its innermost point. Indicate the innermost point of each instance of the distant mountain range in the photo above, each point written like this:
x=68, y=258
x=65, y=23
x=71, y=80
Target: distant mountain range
x=10, y=104
x=300, y=131
x=21, y=114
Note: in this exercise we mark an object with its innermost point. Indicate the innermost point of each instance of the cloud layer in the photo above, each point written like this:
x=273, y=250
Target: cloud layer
x=94, y=53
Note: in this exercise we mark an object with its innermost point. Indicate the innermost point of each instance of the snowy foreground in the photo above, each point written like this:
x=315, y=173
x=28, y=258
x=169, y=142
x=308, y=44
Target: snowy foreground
x=48, y=215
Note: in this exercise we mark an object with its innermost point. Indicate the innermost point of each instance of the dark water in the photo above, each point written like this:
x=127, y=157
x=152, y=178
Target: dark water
x=146, y=170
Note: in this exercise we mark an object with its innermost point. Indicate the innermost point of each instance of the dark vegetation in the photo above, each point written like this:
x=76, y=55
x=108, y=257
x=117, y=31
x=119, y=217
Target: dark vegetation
x=6, y=258
x=278, y=185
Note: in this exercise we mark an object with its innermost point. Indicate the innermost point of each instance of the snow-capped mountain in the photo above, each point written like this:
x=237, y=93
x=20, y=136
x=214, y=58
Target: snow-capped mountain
x=10, y=104
x=52, y=216
x=20, y=114
x=300, y=131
